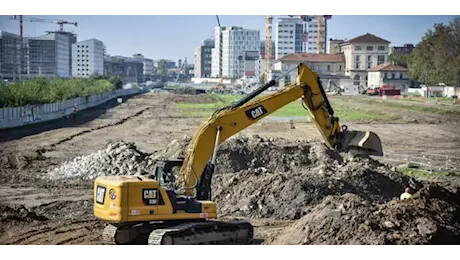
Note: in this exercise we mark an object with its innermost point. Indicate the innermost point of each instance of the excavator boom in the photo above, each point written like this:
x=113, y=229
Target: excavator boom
x=228, y=121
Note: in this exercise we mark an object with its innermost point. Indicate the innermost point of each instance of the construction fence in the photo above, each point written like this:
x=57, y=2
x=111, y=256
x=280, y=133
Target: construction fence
x=31, y=114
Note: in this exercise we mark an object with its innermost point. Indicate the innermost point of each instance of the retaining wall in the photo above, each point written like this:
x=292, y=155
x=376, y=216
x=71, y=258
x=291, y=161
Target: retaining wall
x=31, y=114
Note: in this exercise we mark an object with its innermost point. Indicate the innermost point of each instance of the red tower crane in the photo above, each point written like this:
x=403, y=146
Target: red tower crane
x=40, y=20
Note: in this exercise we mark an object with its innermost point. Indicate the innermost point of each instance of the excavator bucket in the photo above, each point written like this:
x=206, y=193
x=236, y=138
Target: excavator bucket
x=361, y=143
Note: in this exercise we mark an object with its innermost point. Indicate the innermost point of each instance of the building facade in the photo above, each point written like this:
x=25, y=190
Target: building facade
x=130, y=69
x=235, y=41
x=203, y=59
x=327, y=66
x=362, y=53
x=13, y=51
x=389, y=75
x=295, y=35
x=87, y=58
x=334, y=46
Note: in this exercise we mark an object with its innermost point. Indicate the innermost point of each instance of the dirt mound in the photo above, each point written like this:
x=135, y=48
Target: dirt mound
x=278, y=178
x=432, y=217
x=20, y=160
x=18, y=213
x=186, y=91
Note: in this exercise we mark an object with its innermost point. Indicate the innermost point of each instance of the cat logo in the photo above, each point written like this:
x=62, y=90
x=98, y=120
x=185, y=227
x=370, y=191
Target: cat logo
x=149, y=196
x=256, y=112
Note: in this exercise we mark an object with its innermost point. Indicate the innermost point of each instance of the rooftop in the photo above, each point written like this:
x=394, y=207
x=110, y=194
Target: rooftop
x=388, y=67
x=323, y=57
x=366, y=38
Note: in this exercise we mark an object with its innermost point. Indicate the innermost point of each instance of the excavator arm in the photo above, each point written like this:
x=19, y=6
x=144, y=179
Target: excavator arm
x=196, y=172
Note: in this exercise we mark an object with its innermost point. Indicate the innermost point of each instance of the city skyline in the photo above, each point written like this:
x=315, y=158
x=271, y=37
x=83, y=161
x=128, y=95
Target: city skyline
x=126, y=35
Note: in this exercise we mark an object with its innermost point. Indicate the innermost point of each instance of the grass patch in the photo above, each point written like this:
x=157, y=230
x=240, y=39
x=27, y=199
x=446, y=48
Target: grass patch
x=412, y=172
x=295, y=109
x=48, y=90
x=440, y=110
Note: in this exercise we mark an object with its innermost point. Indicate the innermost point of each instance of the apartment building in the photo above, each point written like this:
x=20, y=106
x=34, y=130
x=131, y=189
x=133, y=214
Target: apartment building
x=295, y=35
x=235, y=41
x=203, y=59
x=362, y=53
x=87, y=58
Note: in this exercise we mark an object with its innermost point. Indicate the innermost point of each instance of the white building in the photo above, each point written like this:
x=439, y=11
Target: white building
x=87, y=58
x=330, y=67
x=362, y=53
x=235, y=41
x=389, y=75
x=294, y=35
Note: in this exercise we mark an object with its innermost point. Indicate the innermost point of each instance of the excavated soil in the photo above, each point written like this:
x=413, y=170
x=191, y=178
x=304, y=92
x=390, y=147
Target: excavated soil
x=431, y=217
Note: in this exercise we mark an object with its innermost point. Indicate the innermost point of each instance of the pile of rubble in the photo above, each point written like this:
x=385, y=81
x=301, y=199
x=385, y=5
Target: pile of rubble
x=431, y=217
x=278, y=178
x=119, y=158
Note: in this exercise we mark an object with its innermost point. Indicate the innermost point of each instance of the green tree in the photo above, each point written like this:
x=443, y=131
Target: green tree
x=163, y=67
x=436, y=58
x=400, y=58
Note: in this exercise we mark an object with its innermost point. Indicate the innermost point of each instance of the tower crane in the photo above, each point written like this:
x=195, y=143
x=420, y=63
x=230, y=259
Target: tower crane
x=40, y=20
x=268, y=46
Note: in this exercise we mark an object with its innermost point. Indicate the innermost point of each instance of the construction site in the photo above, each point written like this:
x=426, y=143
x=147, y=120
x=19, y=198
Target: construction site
x=297, y=160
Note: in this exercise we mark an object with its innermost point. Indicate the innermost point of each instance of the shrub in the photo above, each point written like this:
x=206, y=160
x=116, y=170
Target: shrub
x=45, y=90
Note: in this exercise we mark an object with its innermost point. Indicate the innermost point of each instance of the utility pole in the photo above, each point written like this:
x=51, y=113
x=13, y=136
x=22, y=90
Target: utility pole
x=268, y=46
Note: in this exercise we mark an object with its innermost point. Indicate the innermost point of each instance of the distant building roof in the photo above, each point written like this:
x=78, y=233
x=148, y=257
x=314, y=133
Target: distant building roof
x=388, y=67
x=366, y=38
x=323, y=57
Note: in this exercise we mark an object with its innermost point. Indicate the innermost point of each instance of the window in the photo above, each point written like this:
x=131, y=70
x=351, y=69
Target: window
x=357, y=48
x=340, y=67
x=357, y=62
x=369, y=48
x=392, y=75
x=328, y=67
x=78, y=50
x=385, y=75
x=400, y=75
x=356, y=80
x=381, y=48
x=380, y=59
x=369, y=61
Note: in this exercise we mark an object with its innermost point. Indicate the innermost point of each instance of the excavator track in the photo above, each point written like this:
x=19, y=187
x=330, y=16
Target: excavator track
x=189, y=233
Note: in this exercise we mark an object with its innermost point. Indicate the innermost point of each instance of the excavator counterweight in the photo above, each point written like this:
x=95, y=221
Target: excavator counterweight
x=174, y=205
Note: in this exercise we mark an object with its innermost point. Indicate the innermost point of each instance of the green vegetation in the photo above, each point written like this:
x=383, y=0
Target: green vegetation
x=424, y=173
x=437, y=57
x=295, y=109
x=441, y=110
x=45, y=90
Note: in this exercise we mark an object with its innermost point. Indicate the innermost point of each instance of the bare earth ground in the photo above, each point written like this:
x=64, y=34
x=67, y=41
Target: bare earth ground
x=151, y=121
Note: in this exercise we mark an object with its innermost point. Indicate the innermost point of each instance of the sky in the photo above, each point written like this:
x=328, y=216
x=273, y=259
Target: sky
x=176, y=36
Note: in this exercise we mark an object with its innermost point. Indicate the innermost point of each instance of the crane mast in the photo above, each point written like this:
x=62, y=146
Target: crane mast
x=268, y=46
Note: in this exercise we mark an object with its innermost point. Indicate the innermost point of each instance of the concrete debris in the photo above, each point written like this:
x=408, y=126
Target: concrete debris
x=119, y=158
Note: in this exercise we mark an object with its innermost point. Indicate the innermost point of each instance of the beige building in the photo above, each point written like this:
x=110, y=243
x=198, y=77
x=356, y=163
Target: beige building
x=388, y=74
x=327, y=66
x=334, y=46
x=362, y=53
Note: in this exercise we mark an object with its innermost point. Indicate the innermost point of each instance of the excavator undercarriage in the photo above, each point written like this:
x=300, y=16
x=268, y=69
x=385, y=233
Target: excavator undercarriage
x=194, y=232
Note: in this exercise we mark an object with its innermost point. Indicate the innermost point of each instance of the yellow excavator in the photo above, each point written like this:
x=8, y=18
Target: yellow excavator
x=173, y=205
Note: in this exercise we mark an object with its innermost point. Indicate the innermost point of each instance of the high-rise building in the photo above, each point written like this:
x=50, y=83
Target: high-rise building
x=13, y=51
x=87, y=58
x=235, y=41
x=262, y=50
x=203, y=59
x=147, y=64
x=294, y=35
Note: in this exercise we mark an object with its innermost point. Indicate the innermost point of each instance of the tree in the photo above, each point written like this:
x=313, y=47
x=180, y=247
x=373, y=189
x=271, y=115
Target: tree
x=163, y=67
x=436, y=58
x=400, y=58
